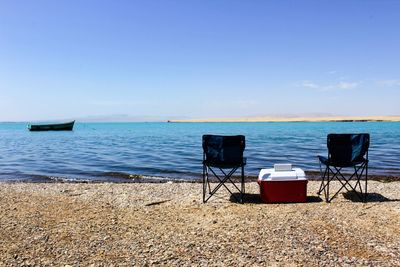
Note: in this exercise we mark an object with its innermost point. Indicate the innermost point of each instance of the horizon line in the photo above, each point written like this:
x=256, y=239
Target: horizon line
x=282, y=118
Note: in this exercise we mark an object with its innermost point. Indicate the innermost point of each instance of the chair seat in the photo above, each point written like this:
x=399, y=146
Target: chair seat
x=327, y=162
x=224, y=165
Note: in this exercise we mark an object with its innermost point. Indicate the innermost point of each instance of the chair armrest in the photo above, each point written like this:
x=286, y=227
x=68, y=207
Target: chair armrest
x=323, y=160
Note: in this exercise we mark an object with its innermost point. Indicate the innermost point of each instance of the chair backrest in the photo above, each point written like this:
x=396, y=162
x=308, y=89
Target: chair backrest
x=347, y=148
x=224, y=150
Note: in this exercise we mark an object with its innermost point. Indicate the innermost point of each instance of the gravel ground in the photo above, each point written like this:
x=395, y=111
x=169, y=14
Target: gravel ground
x=167, y=224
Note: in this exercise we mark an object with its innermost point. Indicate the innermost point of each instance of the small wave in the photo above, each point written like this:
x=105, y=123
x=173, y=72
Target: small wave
x=113, y=177
x=68, y=179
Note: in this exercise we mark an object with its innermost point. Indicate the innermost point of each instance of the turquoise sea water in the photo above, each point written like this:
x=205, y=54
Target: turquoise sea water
x=113, y=151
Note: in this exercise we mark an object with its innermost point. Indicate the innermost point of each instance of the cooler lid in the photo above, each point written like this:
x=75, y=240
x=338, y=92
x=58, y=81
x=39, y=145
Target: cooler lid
x=273, y=175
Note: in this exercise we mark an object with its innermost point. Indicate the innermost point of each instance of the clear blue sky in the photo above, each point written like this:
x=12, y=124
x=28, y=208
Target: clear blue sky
x=72, y=59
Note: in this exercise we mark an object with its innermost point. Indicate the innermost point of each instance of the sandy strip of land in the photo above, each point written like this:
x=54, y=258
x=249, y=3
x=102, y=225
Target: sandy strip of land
x=167, y=224
x=294, y=119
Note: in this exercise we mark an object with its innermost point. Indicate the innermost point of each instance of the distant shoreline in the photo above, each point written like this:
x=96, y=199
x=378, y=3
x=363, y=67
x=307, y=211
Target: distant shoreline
x=246, y=119
x=298, y=119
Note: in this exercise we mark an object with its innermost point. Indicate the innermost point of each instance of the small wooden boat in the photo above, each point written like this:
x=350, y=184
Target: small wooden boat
x=67, y=126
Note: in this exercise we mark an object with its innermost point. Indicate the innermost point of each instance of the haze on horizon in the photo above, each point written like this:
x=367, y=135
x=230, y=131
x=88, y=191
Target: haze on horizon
x=198, y=59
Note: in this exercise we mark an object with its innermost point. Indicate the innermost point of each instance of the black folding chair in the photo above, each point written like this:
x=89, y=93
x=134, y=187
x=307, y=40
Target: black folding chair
x=223, y=156
x=345, y=151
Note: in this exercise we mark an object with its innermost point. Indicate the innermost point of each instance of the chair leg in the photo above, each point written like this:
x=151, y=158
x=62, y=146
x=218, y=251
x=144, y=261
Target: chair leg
x=327, y=187
x=359, y=176
x=204, y=184
x=243, y=185
x=366, y=180
x=208, y=180
x=363, y=195
x=222, y=181
x=359, y=182
x=346, y=182
x=322, y=186
x=322, y=177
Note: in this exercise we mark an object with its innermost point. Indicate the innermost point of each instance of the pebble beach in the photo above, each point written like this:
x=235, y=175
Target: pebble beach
x=145, y=224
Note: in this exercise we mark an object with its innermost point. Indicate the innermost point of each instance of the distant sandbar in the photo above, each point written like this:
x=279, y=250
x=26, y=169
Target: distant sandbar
x=297, y=119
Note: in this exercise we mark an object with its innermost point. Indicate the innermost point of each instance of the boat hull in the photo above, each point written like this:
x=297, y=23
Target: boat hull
x=52, y=127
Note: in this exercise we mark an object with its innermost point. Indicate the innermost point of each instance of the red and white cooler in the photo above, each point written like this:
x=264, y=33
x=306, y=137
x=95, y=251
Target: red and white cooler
x=282, y=184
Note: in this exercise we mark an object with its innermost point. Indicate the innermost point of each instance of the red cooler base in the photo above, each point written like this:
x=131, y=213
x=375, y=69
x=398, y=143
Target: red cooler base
x=283, y=191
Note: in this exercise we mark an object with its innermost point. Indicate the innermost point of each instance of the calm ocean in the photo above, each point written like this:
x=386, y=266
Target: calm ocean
x=113, y=151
